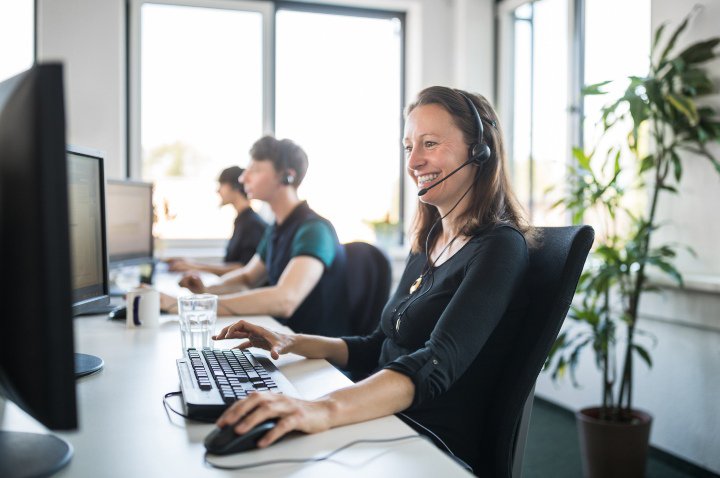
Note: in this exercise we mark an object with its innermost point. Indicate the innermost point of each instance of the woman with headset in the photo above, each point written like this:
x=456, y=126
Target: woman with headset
x=299, y=258
x=442, y=335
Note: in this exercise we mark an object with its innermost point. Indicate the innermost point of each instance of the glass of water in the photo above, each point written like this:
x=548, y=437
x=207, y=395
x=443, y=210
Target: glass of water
x=198, y=313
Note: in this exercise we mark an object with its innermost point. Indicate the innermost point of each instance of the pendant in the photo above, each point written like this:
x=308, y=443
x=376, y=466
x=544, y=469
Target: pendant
x=415, y=285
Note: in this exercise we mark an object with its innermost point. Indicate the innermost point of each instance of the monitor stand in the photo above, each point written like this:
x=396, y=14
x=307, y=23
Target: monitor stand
x=86, y=364
x=32, y=454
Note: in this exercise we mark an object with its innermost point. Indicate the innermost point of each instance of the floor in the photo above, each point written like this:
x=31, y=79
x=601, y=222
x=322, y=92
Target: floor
x=553, y=450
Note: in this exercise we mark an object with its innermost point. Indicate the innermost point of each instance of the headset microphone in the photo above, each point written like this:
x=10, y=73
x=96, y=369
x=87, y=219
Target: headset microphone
x=425, y=190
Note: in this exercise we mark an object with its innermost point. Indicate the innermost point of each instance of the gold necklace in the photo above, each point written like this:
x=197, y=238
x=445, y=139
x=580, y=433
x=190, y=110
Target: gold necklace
x=418, y=282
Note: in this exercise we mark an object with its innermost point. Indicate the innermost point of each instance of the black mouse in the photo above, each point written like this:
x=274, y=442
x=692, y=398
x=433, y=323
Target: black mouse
x=118, y=313
x=224, y=441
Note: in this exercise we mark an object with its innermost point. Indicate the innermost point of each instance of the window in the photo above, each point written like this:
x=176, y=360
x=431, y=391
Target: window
x=201, y=91
x=207, y=73
x=17, y=37
x=549, y=50
x=346, y=114
x=539, y=147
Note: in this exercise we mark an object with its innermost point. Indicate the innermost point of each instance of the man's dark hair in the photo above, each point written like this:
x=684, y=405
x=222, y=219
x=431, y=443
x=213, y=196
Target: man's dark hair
x=284, y=154
x=230, y=176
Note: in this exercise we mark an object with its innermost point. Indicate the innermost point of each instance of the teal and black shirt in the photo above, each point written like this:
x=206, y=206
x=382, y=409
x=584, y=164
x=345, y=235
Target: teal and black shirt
x=325, y=310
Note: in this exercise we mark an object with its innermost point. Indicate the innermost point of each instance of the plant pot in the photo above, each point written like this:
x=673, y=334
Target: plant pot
x=611, y=449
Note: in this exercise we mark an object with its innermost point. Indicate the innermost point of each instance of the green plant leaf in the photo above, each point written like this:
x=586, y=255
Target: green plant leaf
x=677, y=165
x=643, y=354
x=685, y=106
x=658, y=34
x=700, y=52
x=594, y=89
x=673, y=39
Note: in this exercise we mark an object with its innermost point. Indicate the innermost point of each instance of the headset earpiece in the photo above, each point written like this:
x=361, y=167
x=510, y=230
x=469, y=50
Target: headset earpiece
x=479, y=151
x=288, y=179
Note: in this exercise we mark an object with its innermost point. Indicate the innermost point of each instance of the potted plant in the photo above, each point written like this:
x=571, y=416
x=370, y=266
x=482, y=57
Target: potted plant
x=663, y=121
x=387, y=232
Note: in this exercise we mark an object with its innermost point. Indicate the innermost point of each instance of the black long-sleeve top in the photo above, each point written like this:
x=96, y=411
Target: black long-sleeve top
x=451, y=334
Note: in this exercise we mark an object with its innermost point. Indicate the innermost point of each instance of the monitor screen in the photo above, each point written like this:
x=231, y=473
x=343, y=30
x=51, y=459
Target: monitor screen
x=87, y=230
x=36, y=324
x=129, y=222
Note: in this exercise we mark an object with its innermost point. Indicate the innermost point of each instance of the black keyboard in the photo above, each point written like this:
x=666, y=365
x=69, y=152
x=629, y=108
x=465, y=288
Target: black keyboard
x=212, y=379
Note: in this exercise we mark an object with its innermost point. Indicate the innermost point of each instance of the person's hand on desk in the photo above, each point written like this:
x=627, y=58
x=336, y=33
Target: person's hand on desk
x=193, y=281
x=168, y=303
x=178, y=264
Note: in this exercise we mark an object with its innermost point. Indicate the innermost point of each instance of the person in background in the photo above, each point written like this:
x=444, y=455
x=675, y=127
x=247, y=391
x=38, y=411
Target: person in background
x=248, y=230
x=299, y=257
x=449, y=327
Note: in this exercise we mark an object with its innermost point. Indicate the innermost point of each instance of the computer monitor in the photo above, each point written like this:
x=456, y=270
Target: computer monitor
x=86, y=189
x=36, y=339
x=129, y=222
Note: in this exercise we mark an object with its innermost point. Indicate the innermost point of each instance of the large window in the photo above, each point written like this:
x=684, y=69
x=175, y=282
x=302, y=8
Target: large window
x=539, y=125
x=341, y=99
x=207, y=74
x=17, y=36
x=549, y=50
x=200, y=108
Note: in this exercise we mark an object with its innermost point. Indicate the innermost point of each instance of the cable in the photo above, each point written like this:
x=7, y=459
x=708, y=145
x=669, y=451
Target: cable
x=168, y=407
x=313, y=459
x=439, y=440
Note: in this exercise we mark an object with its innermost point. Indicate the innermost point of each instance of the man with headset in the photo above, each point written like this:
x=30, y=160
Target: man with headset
x=300, y=256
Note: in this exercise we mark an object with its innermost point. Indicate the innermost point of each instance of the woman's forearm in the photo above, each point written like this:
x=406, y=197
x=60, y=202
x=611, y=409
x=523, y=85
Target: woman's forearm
x=384, y=393
x=332, y=349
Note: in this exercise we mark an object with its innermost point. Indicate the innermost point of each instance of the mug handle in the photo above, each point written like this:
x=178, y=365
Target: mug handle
x=136, y=310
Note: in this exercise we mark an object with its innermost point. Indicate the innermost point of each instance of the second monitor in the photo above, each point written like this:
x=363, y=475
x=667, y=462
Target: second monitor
x=129, y=222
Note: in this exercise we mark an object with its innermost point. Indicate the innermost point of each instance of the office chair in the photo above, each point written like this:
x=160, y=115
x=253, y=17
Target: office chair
x=555, y=268
x=369, y=278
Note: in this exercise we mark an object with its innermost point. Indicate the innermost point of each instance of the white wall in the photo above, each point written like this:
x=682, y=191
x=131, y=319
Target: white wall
x=88, y=36
x=682, y=390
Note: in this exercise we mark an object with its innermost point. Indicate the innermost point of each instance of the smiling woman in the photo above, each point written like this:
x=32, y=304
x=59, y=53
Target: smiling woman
x=450, y=325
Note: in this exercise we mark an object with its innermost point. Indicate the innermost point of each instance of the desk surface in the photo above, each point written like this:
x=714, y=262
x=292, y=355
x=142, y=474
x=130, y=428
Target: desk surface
x=125, y=431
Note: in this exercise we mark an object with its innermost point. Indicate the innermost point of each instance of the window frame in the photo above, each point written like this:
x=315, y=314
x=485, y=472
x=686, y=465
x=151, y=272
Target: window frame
x=505, y=74
x=268, y=10
x=134, y=126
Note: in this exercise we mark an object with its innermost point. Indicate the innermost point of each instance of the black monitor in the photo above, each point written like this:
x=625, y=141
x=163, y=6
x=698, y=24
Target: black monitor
x=86, y=189
x=36, y=343
x=129, y=222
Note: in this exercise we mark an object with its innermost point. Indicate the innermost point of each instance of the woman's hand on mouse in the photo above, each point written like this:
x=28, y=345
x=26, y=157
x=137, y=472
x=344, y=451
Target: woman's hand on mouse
x=260, y=337
x=291, y=413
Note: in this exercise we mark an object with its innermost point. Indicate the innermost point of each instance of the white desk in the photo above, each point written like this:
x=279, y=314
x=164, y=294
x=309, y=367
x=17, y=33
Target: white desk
x=125, y=432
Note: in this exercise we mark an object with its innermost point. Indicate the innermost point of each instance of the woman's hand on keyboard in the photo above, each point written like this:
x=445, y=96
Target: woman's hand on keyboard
x=274, y=342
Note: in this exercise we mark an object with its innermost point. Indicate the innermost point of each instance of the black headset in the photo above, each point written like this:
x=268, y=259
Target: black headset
x=288, y=178
x=479, y=151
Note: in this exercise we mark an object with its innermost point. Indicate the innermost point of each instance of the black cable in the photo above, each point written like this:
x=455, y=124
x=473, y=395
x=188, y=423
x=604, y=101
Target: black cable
x=439, y=440
x=313, y=459
x=186, y=417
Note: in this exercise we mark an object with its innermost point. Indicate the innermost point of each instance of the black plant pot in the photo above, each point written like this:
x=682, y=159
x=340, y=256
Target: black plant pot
x=610, y=449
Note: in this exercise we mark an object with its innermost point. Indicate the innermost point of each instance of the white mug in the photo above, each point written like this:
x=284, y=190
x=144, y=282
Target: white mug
x=143, y=308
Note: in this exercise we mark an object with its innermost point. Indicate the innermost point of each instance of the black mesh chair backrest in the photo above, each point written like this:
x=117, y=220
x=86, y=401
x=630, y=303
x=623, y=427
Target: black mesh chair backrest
x=368, y=278
x=555, y=268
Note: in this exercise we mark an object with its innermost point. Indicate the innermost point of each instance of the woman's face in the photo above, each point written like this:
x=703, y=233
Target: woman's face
x=434, y=147
x=225, y=191
x=260, y=179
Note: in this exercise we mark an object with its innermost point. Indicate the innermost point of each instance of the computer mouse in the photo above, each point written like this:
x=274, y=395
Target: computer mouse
x=224, y=441
x=118, y=313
